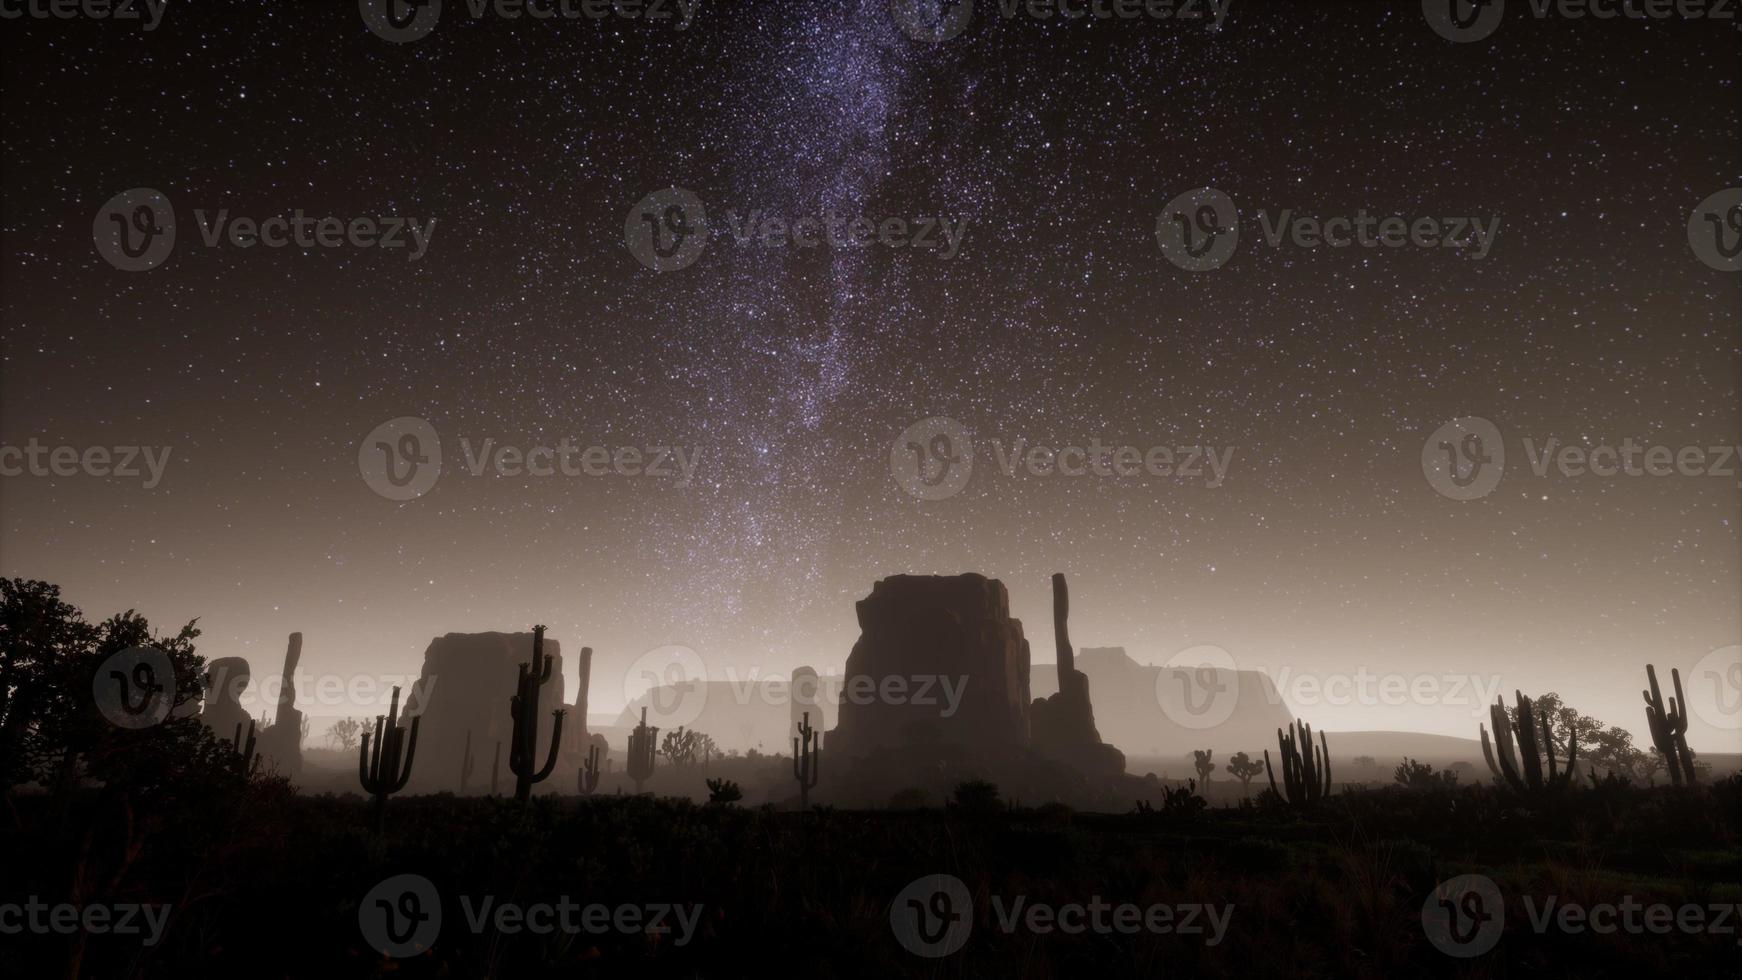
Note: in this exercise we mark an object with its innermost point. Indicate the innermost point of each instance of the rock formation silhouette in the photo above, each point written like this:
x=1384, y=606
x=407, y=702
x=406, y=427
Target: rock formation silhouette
x=1153, y=711
x=226, y=679
x=281, y=743
x=1063, y=725
x=465, y=687
x=916, y=632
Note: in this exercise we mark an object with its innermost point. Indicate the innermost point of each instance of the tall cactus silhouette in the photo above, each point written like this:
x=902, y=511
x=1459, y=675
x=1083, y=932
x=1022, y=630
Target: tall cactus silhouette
x=1669, y=727
x=1306, y=769
x=1523, y=769
x=385, y=771
x=587, y=780
x=466, y=763
x=805, y=759
x=523, y=707
x=246, y=761
x=643, y=742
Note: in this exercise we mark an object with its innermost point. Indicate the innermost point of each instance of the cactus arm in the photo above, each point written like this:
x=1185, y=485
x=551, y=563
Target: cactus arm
x=556, y=736
x=1324, y=763
x=409, y=743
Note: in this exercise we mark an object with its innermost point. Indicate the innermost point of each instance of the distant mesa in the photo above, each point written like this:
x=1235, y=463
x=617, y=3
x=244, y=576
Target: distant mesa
x=1129, y=705
x=464, y=689
x=742, y=715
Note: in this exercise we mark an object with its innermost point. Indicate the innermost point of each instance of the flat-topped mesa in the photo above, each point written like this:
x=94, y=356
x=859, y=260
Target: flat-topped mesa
x=1063, y=725
x=465, y=687
x=938, y=660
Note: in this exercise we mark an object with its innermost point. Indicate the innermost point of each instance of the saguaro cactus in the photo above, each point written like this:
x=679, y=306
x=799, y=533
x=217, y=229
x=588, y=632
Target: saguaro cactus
x=246, y=761
x=466, y=763
x=587, y=779
x=805, y=759
x=385, y=771
x=643, y=742
x=1523, y=769
x=1669, y=727
x=1306, y=769
x=523, y=707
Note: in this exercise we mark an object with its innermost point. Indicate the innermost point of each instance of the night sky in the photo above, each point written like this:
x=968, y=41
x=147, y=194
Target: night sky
x=792, y=371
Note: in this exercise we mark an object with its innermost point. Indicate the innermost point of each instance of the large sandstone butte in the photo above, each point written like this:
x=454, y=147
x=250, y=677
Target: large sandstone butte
x=914, y=630
x=1166, y=712
x=465, y=686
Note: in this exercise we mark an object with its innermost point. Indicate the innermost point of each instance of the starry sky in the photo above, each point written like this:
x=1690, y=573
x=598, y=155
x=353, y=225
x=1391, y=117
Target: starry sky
x=792, y=371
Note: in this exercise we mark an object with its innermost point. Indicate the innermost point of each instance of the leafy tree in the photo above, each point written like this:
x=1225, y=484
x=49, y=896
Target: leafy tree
x=976, y=796
x=685, y=746
x=1244, y=767
x=1421, y=776
x=51, y=731
x=344, y=733
x=1366, y=762
x=1202, y=762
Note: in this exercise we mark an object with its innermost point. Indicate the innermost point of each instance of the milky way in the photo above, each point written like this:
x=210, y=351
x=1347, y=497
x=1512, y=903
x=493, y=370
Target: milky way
x=793, y=370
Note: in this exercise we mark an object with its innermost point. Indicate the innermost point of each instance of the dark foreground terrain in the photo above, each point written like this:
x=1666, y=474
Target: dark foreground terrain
x=254, y=880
